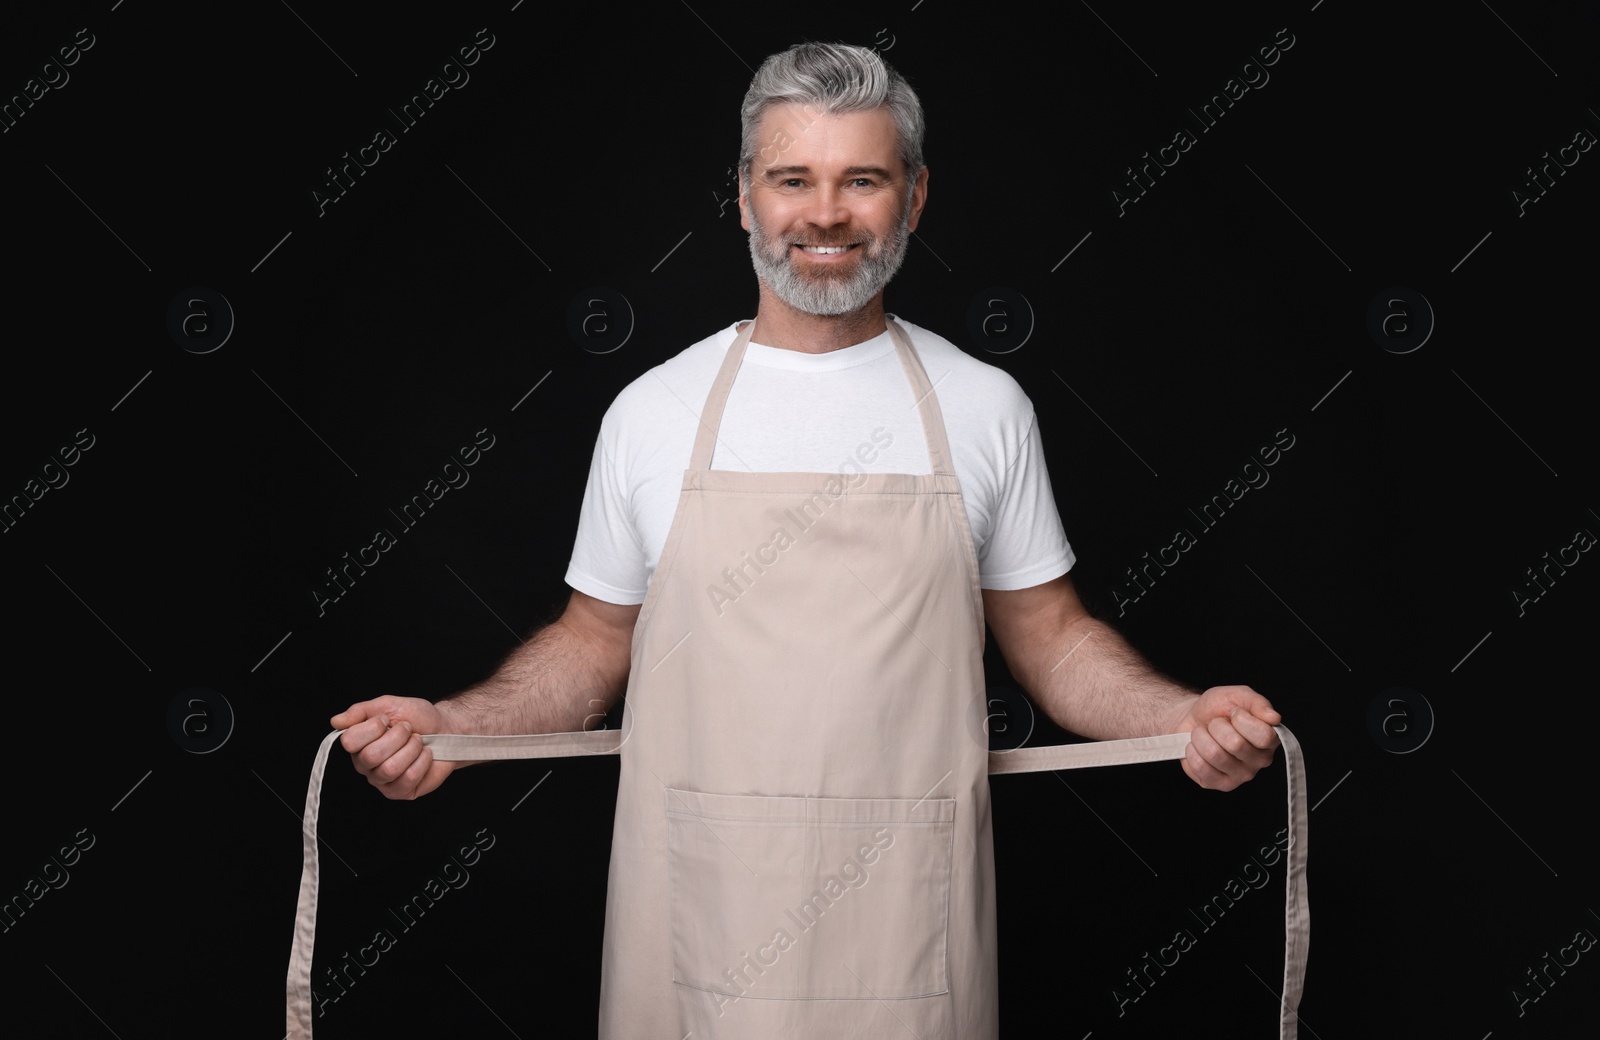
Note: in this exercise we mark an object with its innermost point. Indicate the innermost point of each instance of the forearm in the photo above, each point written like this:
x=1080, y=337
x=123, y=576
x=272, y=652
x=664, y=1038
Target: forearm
x=556, y=682
x=1086, y=677
x=1095, y=685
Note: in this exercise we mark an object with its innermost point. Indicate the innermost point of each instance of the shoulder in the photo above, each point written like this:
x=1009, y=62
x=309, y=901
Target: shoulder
x=677, y=386
x=966, y=384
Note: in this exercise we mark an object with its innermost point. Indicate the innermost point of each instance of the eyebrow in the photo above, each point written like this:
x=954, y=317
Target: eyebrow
x=780, y=172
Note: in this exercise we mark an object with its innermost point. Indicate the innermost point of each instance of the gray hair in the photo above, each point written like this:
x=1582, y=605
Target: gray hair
x=834, y=78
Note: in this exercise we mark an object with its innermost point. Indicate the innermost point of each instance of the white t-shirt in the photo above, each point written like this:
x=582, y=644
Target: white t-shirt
x=845, y=411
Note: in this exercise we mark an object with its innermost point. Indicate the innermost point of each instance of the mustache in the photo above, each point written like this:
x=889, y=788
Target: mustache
x=820, y=237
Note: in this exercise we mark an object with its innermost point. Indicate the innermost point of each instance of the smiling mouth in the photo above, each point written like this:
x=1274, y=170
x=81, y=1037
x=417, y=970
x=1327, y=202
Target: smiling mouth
x=826, y=250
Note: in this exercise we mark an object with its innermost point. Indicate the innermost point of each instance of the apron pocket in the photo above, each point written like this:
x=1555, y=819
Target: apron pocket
x=783, y=898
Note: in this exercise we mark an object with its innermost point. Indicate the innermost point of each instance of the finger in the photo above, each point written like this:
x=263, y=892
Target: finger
x=1257, y=730
x=1209, y=759
x=410, y=784
x=423, y=777
x=1261, y=708
x=1204, y=740
x=358, y=712
x=393, y=768
x=1249, y=758
x=1246, y=756
x=1251, y=701
x=360, y=734
x=1234, y=756
x=1203, y=772
x=436, y=774
x=1233, y=743
x=1233, y=759
x=378, y=752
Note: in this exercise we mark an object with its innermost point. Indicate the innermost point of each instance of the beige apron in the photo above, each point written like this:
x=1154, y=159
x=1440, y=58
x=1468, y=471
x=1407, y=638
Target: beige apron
x=802, y=844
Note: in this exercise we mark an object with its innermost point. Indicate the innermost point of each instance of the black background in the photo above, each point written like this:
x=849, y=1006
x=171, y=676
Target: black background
x=591, y=147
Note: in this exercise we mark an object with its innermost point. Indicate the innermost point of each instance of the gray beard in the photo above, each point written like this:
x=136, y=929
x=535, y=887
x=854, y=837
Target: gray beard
x=828, y=295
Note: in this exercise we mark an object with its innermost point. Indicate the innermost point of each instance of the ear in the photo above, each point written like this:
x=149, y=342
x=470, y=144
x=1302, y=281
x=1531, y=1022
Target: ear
x=919, y=198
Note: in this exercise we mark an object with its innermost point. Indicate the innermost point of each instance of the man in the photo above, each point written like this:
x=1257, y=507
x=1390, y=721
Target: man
x=802, y=842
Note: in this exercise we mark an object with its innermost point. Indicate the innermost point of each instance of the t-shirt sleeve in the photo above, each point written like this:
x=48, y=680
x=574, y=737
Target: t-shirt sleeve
x=608, y=561
x=1027, y=546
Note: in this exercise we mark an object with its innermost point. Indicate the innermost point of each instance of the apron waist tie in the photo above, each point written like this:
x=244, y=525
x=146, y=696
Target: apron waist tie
x=458, y=747
x=1296, y=908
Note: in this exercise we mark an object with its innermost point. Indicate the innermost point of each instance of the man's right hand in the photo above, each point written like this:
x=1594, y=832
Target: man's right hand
x=557, y=680
x=384, y=738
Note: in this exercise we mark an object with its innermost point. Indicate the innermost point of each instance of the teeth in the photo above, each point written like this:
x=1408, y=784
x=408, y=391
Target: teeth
x=825, y=250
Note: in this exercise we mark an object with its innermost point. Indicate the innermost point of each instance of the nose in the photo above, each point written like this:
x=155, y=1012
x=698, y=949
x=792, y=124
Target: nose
x=827, y=207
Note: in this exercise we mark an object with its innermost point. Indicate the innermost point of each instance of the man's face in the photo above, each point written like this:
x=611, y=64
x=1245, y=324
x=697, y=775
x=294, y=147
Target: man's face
x=829, y=207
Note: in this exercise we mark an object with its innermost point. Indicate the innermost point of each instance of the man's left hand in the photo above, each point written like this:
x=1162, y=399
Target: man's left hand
x=1230, y=736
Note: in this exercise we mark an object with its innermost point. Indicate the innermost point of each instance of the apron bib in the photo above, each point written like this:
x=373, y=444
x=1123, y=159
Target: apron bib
x=779, y=865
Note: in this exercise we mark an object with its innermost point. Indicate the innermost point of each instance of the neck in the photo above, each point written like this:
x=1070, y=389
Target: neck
x=780, y=325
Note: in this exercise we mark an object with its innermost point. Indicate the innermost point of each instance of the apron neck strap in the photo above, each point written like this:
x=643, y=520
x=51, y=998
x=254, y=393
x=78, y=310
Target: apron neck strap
x=711, y=416
x=927, y=403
